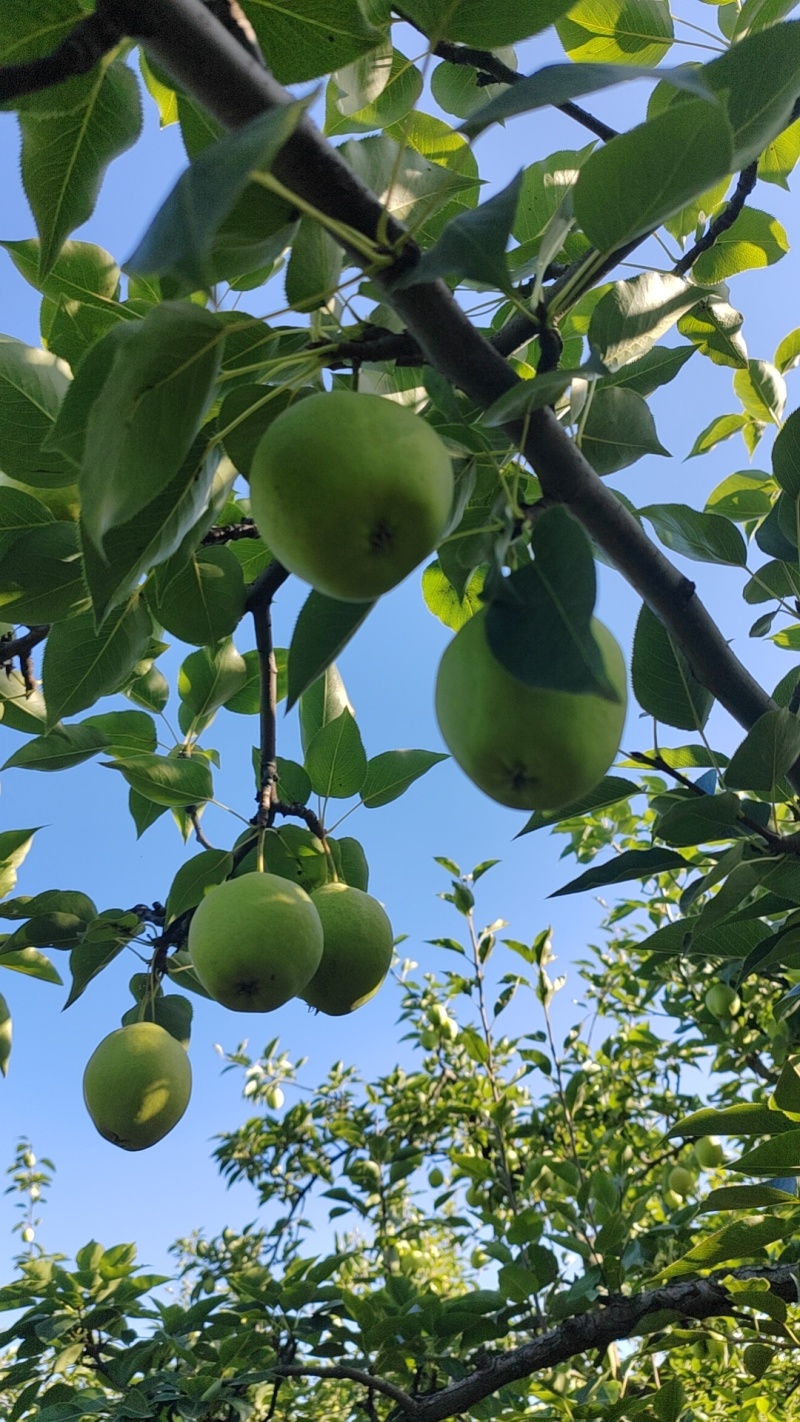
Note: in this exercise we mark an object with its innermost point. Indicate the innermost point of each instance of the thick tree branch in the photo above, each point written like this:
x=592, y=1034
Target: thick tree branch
x=187, y=40
x=617, y=1317
x=90, y=40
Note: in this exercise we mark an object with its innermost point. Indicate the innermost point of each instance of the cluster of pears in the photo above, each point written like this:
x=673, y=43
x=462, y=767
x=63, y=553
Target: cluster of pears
x=255, y=942
x=351, y=492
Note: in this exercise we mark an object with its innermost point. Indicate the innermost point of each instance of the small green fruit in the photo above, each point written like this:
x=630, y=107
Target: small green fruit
x=429, y=1039
x=437, y=1014
x=435, y=1178
x=523, y=746
x=723, y=1000
x=449, y=1029
x=708, y=1152
x=274, y=1098
x=28, y=1235
x=680, y=1181
x=255, y=942
x=382, y=476
x=137, y=1085
x=357, y=950
x=757, y=1358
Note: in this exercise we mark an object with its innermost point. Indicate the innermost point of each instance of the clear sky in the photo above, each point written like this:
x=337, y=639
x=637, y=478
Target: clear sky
x=88, y=839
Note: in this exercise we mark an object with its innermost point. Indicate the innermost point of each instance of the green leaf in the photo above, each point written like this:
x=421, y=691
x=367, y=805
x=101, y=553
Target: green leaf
x=442, y=599
x=19, y=513
x=324, y=700
x=632, y=184
x=754, y=239
x=744, y=1239
x=42, y=575
x=473, y=244
x=173, y=1012
x=80, y=664
x=618, y=430
x=744, y=1119
x=610, y=790
x=720, y=429
x=124, y=730
x=294, y=786
x=617, y=31
x=5, y=1035
x=786, y=1096
x=528, y=395
x=700, y=820
x=390, y=774
x=714, y=327
x=210, y=677
x=194, y=878
x=470, y=22
x=336, y=761
x=60, y=749
x=142, y=424
x=375, y=91
x=539, y=625
x=32, y=386
x=14, y=846
x=151, y=689
x=322, y=630
x=105, y=938
x=303, y=39
x=779, y=1156
x=631, y=864
x=31, y=963
x=314, y=269
x=144, y=812
x=758, y=80
x=742, y=496
x=168, y=781
x=629, y=319
x=205, y=601
x=558, y=83
x=663, y=681
x=786, y=457
x=180, y=240
x=767, y=752
x=787, y=354
x=745, y=1197
x=706, y=537
x=247, y=701
x=780, y=157
x=64, y=156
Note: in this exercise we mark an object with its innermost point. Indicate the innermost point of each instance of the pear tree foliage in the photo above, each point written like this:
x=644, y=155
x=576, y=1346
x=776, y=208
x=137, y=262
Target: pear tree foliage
x=599, y=1282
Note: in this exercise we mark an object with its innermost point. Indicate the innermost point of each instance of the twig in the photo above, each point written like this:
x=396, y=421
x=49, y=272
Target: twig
x=493, y=70
x=231, y=532
x=83, y=47
x=11, y=647
x=747, y=181
x=259, y=603
x=191, y=811
x=345, y=1373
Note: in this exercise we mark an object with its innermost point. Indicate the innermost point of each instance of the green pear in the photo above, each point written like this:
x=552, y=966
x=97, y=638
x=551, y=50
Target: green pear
x=350, y=492
x=357, y=950
x=680, y=1181
x=723, y=1001
x=137, y=1085
x=255, y=942
x=526, y=747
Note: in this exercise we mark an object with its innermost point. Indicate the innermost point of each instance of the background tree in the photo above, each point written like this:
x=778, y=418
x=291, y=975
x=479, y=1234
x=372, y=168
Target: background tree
x=141, y=413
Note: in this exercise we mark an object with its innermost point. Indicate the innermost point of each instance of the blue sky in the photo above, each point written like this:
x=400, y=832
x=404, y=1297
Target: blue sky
x=88, y=840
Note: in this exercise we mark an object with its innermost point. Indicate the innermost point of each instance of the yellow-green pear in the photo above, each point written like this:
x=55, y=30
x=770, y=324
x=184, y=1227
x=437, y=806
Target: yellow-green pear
x=255, y=942
x=357, y=950
x=350, y=492
x=526, y=747
x=137, y=1085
